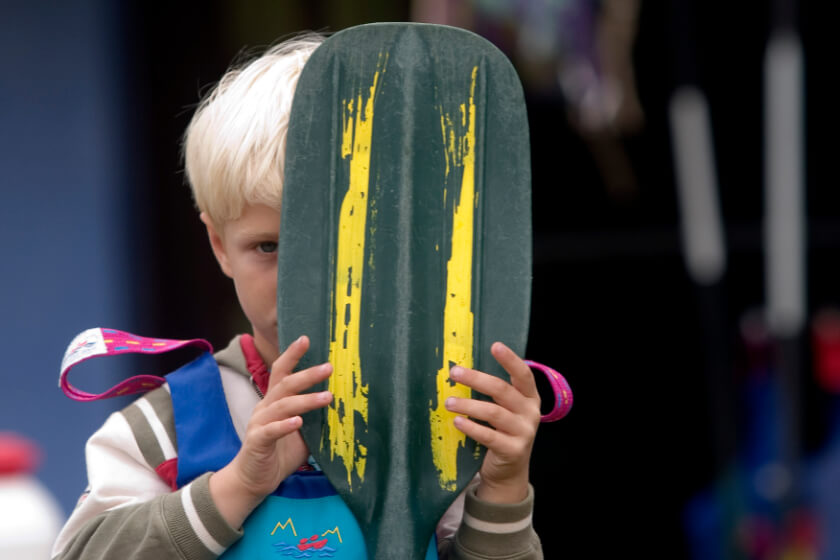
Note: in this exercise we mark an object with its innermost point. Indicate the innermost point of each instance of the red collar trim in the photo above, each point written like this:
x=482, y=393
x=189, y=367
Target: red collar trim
x=259, y=372
x=254, y=362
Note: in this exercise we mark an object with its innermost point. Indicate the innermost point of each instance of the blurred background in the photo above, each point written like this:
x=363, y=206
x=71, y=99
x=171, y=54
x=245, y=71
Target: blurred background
x=685, y=239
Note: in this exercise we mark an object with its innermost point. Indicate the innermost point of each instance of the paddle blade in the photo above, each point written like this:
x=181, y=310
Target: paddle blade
x=405, y=248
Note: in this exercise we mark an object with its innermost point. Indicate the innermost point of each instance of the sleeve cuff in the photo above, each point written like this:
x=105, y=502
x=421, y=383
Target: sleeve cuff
x=498, y=530
x=196, y=526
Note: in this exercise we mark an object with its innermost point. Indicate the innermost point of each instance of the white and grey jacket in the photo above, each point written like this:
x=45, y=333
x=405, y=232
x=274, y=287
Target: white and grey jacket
x=130, y=511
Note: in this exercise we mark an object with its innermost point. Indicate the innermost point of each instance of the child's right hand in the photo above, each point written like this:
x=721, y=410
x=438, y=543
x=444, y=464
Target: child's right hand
x=273, y=447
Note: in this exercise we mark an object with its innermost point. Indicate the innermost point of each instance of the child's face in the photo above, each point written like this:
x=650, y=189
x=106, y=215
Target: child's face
x=246, y=249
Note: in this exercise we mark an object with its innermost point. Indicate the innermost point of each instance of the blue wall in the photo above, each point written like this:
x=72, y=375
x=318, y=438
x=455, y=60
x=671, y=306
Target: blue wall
x=63, y=245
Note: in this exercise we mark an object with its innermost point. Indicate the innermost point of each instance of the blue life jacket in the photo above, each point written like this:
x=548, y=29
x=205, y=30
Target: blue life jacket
x=303, y=518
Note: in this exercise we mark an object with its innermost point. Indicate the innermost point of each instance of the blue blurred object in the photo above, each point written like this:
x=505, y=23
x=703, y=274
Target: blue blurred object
x=824, y=469
x=62, y=218
x=748, y=513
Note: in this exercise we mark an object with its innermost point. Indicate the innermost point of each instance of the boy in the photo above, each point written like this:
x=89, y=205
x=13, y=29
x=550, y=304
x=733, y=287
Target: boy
x=140, y=503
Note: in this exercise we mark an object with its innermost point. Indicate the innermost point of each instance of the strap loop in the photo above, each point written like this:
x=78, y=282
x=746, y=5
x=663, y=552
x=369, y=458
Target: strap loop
x=563, y=397
x=110, y=342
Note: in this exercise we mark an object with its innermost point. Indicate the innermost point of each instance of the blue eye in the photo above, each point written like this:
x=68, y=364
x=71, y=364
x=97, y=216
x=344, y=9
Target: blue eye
x=267, y=247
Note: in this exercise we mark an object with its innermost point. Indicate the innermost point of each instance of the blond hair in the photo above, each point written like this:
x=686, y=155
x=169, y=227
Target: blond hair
x=235, y=143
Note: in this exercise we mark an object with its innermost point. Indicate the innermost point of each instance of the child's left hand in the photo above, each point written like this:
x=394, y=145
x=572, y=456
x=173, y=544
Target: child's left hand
x=514, y=416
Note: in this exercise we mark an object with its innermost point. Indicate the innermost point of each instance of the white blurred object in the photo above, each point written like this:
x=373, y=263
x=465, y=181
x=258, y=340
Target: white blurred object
x=784, y=170
x=702, y=227
x=30, y=517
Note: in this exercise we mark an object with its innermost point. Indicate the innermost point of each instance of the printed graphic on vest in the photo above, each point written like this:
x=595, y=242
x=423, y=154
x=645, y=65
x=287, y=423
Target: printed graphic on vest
x=320, y=545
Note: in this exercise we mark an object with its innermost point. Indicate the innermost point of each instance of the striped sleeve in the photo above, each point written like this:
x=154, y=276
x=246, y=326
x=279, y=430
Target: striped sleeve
x=129, y=507
x=497, y=531
x=153, y=426
x=197, y=528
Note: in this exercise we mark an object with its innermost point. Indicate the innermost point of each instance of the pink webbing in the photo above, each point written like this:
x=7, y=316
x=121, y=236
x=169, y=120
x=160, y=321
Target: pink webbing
x=110, y=342
x=563, y=397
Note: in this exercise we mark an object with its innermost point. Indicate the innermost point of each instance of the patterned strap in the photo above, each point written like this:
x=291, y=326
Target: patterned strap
x=563, y=397
x=109, y=342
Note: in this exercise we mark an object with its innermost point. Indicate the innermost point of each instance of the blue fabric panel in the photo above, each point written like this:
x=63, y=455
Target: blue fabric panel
x=207, y=440
x=303, y=485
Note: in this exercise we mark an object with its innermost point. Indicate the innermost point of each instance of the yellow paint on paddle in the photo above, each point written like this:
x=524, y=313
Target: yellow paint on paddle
x=457, y=315
x=349, y=409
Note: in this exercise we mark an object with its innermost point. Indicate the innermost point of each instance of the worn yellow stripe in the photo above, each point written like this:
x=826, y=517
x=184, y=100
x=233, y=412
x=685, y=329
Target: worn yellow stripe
x=349, y=409
x=457, y=315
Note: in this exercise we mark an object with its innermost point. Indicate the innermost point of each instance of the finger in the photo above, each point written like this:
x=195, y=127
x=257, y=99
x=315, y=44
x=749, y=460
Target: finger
x=291, y=406
x=497, y=416
x=497, y=389
x=298, y=382
x=521, y=375
x=288, y=360
x=500, y=443
x=270, y=433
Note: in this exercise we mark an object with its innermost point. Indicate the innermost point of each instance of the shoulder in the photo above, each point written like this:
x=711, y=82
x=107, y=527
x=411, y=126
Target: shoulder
x=232, y=357
x=151, y=421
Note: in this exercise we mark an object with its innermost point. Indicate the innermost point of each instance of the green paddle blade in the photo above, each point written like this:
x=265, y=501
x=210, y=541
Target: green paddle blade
x=405, y=248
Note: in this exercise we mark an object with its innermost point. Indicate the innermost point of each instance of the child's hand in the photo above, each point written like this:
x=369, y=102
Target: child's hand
x=273, y=447
x=514, y=416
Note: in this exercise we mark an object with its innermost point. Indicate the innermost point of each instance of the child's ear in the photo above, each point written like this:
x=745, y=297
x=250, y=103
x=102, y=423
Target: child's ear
x=217, y=244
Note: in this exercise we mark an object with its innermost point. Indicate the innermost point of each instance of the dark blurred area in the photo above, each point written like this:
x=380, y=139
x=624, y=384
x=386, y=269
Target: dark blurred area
x=614, y=308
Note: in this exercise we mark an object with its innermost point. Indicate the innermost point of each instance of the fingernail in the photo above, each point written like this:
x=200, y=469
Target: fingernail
x=458, y=421
x=456, y=372
x=450, y=402
x=325, y=395
x=326, y=367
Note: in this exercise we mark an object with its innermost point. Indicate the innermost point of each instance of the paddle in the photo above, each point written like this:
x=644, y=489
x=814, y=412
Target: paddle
x=405, y=248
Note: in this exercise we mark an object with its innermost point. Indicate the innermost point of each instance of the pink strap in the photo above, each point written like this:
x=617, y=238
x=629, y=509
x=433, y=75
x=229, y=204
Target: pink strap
x=563, y=397
x=110, y=342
